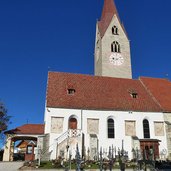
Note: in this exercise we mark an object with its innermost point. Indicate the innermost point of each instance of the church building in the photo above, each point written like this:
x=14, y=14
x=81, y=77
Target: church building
x=109, y=109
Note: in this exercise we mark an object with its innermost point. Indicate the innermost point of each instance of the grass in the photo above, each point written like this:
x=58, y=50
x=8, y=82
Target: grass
x=51, y=165
x=46, y=165
x=91, y=165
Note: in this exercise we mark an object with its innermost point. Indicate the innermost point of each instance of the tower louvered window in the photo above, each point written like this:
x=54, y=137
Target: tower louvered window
x=146, y=128
x=115, y=30
x=115, y=47
x=111, y=128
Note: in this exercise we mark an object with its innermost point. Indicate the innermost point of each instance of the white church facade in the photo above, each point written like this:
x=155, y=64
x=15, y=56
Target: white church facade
x=101, y=112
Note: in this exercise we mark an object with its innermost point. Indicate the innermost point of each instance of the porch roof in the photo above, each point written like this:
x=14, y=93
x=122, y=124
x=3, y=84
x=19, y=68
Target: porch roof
x=31, y=129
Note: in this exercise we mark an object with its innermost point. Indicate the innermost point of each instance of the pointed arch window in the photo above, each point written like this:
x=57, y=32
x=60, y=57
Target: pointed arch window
x=115, y=30
x=115, y=47
x=111, y=128
x=146, y=128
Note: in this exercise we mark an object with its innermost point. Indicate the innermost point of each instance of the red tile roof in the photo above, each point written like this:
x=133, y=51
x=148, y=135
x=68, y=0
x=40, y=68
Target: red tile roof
x=160, y=89
x=94, y=92
x=28, y=129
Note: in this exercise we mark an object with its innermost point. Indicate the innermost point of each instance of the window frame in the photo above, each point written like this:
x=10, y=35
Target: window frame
x=115, y=47
x=115, y=30
x=110, y=128
x=146, y=128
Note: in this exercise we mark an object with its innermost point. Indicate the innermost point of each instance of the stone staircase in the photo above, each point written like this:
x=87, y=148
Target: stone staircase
x=68, y=141
x=64, y=142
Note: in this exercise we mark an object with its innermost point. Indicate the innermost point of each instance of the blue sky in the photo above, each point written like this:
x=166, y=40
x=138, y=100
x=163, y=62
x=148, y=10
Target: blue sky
x=40, y=35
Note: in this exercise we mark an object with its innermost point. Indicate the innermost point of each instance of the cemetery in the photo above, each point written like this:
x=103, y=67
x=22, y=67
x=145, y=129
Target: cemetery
x=114, y=159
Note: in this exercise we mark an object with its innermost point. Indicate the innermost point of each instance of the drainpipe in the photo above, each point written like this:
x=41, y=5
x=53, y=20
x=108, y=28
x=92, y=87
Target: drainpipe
x=81, y=119
x=83, y=138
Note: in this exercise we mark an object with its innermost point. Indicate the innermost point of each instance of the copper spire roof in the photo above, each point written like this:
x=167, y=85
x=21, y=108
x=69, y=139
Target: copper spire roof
x=109, y=9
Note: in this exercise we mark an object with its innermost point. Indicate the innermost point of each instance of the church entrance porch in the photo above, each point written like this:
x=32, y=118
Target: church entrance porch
x=150, y=148
x=20, y=148
x=21, y=142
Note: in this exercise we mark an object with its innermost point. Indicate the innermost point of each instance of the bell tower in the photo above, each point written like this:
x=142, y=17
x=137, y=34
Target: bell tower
x=112, y=47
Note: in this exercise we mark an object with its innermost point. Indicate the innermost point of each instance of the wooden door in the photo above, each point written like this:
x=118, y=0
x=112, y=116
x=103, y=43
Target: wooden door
x=73, y=123
x=147, y=145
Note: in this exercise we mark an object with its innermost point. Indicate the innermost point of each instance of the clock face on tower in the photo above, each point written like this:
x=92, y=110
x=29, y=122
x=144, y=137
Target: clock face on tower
x=116, y=59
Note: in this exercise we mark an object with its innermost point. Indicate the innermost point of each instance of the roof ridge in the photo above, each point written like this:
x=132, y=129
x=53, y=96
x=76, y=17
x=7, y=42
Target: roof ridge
x=150, y=93
x=146, y=77
x=33, y=124
x=88, y=75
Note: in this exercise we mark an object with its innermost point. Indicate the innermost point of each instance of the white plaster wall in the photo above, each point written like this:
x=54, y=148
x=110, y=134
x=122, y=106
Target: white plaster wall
x=66, y=114
x=119, y=117
x=167, y=117
x=105, y=68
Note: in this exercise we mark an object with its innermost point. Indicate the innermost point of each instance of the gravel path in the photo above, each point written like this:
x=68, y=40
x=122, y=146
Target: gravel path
x=10, y=166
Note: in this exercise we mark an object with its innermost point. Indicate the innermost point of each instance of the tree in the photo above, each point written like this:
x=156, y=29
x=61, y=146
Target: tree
x=4, y=118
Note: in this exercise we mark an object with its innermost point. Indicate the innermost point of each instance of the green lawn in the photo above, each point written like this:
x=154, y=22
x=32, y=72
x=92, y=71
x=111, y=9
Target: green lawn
x=52, y=165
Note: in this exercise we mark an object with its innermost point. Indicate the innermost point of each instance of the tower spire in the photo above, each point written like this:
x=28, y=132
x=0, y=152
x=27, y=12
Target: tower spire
x=109, y=10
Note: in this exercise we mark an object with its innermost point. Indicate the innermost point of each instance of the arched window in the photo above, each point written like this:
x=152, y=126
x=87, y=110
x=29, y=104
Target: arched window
x=115, y=47
x=111, y=128
x=146, y=128
x=72, y=123
x=114, y=30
